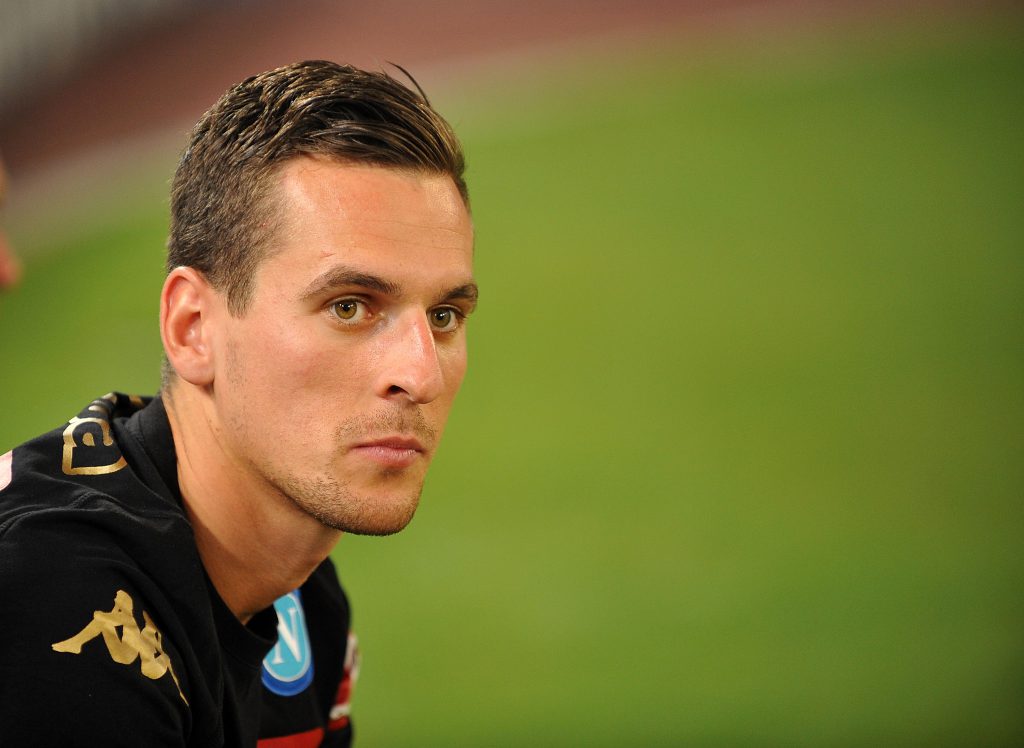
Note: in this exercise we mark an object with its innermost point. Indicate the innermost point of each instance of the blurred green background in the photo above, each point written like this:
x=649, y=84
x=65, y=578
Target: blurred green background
x=739, y=457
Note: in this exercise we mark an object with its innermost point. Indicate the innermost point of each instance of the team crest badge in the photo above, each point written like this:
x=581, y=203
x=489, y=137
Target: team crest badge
x=288, y=667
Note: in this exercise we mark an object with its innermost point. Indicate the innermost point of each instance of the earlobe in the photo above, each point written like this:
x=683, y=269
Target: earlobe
x=185, y=318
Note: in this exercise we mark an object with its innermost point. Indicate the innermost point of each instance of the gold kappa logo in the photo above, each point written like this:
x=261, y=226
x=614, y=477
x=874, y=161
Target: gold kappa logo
x=132, y=644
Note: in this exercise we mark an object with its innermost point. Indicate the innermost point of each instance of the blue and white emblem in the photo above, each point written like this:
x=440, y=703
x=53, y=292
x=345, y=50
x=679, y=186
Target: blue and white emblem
x=288, y=668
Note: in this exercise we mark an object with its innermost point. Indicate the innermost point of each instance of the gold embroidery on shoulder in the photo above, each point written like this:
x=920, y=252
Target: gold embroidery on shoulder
x=88, y=440
x=146, y=644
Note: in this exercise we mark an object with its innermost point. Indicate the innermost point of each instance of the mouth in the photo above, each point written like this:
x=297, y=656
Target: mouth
x=392, y=452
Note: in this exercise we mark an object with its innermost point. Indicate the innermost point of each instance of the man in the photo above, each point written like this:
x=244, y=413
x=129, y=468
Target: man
x=164, y=575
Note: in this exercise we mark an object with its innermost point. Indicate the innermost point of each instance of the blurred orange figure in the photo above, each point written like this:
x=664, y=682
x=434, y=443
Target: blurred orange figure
x=10, y=268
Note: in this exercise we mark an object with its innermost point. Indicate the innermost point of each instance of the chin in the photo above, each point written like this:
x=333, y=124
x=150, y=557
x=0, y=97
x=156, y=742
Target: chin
x=367, y=510
x=377, y=523
x=375, y=530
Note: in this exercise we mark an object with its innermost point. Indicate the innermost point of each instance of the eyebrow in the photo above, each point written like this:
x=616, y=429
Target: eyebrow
x=468, y=292
x=343, y=276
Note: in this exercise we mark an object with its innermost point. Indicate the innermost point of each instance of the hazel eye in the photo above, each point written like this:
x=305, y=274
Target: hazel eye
x=348, y=310
x=444, y=319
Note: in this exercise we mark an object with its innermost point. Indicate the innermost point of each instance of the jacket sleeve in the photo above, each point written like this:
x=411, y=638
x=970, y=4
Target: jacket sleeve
x=83, y=658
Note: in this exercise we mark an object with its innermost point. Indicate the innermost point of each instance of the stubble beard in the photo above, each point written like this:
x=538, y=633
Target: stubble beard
x=335, y=505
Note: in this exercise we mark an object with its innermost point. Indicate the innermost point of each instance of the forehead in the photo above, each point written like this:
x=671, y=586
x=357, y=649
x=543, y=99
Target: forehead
x=387, y=221
x=354, y=194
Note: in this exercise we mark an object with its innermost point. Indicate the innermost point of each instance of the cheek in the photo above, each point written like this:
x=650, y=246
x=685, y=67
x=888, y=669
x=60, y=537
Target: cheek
x=453, y=364
x=267, y=361
x=320, y=373
x=285, y=345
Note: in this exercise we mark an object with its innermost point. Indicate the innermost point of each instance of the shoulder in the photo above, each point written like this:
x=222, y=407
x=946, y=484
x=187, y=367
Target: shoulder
x=104, y=598
x=78, y=474
x=61, y=526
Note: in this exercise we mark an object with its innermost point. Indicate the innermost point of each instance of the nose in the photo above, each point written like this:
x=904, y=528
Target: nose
x=412, y=369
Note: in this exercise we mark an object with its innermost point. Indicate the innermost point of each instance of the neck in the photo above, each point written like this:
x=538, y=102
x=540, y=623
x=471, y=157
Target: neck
x=255, y=543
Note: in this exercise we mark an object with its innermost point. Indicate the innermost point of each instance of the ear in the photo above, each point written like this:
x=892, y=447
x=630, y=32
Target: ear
x=186, y=324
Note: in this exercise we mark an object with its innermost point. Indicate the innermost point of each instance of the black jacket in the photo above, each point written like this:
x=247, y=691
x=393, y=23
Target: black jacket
x=110, y=630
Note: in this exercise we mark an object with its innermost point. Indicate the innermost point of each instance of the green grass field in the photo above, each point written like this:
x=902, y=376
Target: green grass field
x=739, y=458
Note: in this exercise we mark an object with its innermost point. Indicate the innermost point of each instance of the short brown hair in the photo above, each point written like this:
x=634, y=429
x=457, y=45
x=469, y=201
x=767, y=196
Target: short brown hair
x=220, y=212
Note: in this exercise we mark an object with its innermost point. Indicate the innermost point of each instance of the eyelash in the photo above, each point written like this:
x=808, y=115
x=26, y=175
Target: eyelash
x=458, y=316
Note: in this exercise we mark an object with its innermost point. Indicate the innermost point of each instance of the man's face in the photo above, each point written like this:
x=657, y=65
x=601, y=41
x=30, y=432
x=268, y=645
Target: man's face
x=334, y=387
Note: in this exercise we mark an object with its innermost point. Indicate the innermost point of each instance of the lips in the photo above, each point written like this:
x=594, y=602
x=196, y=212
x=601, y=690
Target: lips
x=394, y=442
x=394, y=452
